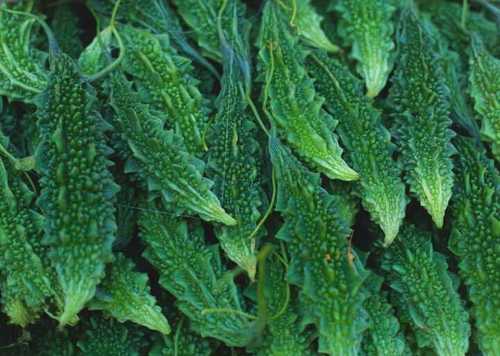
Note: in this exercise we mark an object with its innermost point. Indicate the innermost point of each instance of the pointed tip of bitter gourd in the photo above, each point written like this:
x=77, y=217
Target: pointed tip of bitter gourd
x=249, y=264
x=72, y=306
x=18, y=314
x=217, y=213
x=337, y=169
x=437, y=213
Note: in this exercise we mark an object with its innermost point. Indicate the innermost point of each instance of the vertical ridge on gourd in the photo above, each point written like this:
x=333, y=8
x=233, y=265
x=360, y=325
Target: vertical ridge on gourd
x=422, y=122
x=475, y=238
x=322, y=263
x=125, y=295
x=427, y=292
x=161, y=157
x=367, y=28
x=24, y=281
x=290, y=99
x=21, y=74
x=368, y=143
x=384, y=336
x=77, y=187
x=484, y=80
x=194, y=274
x=204, y=17
x=233, y=156
x=164, y=78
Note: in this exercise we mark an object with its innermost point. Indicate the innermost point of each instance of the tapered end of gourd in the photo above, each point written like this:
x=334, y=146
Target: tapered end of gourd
x=337, y=169
x=437, y=215
x=153, y=319
x=18, y=314
x=249, y=264
x=218, y=214
x=72, y=306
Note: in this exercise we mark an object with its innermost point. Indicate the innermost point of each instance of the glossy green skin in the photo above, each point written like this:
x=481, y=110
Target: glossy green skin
x=161, y=159
x=23, y=278
x=203, y=16
x=475, y=239
x=125, y=295
x=368, y=143
x=165, y=78
x=193, y=273
x=21, y=75
x=291, y=101
x=383, y=337
x=419, y=98
x=367, y=28
x=107, y=337
x=316, y=235
x=427, y=293
x=77, y=187
x=484, y=79
x=183, y=342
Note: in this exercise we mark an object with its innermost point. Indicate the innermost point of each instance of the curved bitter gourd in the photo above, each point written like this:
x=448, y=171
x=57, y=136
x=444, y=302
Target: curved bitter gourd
x=367, y=28
x=368, y=143
x=161, y=158
x=194, y=274
x=475, y=238
x=427, y=292
x=317, y=236
x=423, y=124
x=484, y=81
x=290, y=99
x=77, y=187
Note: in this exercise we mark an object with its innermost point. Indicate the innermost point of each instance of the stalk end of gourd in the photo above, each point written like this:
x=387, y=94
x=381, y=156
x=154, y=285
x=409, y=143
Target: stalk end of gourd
x=18, y=314
x=220, y=215
x=72, y=307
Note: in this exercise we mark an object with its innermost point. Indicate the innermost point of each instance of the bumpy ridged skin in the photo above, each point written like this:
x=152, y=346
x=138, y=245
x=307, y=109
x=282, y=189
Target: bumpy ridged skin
x=426, y=292
x=485, y=89
x=66, y=29
x=183, y=342
x=77, y=187
x=203, y=17
x=368, y=143
x=321, y=260
x=125, y=295
x=106, y=337
x=161, y=159
x=23, y=278
x=291, y=101
x=307, y=23
x=193, y=273
x=383, y=337
x=21, y=76
x=234, y=156
x=422, y=123
x=367, y=28
x=475, y=239
x=165, y=79
x=284, y=335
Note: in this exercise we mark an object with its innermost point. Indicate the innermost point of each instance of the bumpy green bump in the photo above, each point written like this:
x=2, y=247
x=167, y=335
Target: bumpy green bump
x=194, y=274
x=162, y=159
x=367, y=28
x=420, y=100
x=475, y=238
x=484, y=81
x=165, y=78
x=427, y=292
x=125, y=295
x=290, y=99
x=322, y=263
x=77, y=187
x=368, y=143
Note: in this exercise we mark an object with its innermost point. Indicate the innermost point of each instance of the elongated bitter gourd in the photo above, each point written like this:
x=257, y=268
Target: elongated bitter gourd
x=193, y=273
x=125, y=295
x=23, y=278
x=321, y=261
x=291, y=100
x=427, y=292
x=484, y=81
x=383, y=337
x=367, y=28
x=161, y=157
x=422, y=124
x=475, y=238
x=77, y=187
x=21, y=74
x=368, y=143
x=165, y=79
